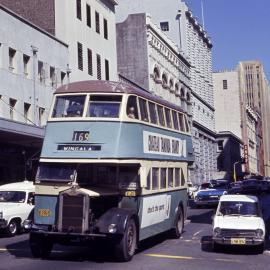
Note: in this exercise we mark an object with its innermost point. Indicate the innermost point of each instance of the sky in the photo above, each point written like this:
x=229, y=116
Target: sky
x=239, y=31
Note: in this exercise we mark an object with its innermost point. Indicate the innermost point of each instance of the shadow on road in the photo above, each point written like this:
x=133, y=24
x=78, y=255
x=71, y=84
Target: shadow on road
x=205, y=217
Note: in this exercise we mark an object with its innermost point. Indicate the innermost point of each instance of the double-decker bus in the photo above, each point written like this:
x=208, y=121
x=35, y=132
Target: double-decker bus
x=113, y=166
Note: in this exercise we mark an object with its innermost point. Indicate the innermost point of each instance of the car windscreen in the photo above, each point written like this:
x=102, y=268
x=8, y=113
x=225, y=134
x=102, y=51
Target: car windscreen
x=238, y=208
x=12, y=196
x=57, y=172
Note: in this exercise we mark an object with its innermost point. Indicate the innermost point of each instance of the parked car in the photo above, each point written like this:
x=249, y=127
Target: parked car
x=210, y=194
x=251, y=186
x=238, y=221
x=16, y=203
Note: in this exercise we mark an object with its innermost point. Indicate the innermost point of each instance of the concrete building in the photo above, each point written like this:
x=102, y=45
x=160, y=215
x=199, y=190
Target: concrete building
x=178, y=22
x=228, y=123
x=29, y=74
x=149, y=58
x=255, y=91
x=87, y=26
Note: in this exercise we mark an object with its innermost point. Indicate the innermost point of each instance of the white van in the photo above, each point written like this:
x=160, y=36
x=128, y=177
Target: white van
x=238, y=221
x=16, y=203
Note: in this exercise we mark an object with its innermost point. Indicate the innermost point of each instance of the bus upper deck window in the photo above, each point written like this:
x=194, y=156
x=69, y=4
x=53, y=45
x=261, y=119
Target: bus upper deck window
x=104, y=106
x=132, y=109
x=143, y=109
x=68, y=106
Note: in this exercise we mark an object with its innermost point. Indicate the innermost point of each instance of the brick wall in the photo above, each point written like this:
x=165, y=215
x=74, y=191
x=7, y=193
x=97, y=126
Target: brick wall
x=39, y=12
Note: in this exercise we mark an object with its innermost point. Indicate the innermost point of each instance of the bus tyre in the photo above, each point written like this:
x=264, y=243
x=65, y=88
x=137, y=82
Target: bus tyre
x=40, y=246
x=12, y=228
x=125, y=248
x=178, y=224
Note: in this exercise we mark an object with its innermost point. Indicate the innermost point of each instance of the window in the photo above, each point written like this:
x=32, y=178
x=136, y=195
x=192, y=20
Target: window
x=175, y=120
x=63, y=75
x=181, y=122
x=105, y=25
x=41, y=116
x=90, y=62
x=163, y=172
x=41, y=72
x=26, y=59
x=183, y=180
x=160, y=115
x=104, y=106
x=220, y=145
x=225, y=84
x=97, y=22
x=153, y=113
x=26, y=112
x=80, y=56
x=148, y=181
x=11, y=54
x=164, y=81
x=88, y=15
x=12, y=103
x=143, y=110
x=168, y=117
x=132, y=109
x=155, y=172
x=79, y=9
x=164, y=26
x=53, y=76
x=170, y=177
x=187, y=124
x=177, y=177
x=98, y=67
x=107, y=70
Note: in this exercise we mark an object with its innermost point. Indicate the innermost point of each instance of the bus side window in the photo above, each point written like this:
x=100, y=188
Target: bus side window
x=183, y=180
x=163, y=178
x=143, y=109
x=175, y=120
x=168, y=117
x=153, y=113
x=132, y=109
x=177, y=177
x=155, y=177
x=187, y=124
x=148, y=180
x=181, y=122
x=161, y=116
x=170, y=177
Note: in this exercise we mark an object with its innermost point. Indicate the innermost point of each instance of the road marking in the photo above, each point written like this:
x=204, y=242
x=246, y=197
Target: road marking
x=195, y=234
x=170, y=256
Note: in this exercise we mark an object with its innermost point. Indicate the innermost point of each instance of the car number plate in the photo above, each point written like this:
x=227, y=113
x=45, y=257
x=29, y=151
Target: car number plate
x=238, y=241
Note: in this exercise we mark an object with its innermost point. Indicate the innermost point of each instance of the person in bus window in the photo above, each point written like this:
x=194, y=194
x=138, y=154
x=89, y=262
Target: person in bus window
x=131, y=112
x=75, y=109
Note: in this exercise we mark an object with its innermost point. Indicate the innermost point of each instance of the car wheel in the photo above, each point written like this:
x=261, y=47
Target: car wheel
x=177, y=230
x=40, y=246
x=125, y=248
x=12, y=228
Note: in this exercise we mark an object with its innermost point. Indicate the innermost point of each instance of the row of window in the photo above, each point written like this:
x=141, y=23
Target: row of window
x=148, y=111
x=90, y=63
x=89, y=18
x=164, y=178
x=42, y=72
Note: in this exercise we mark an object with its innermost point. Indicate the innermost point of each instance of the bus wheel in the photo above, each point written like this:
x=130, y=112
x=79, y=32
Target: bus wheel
x=125, y=248
x=40, y=246
x=178, y=224
x=12, y=228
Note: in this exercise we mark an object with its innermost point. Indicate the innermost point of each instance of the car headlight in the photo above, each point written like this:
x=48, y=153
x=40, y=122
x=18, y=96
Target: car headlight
x=259, y=233
x=217, y=231
x=1, y=215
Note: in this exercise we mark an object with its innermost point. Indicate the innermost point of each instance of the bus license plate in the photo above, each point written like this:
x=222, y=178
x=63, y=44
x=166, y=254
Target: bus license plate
x=44, y=212
x=238, y=241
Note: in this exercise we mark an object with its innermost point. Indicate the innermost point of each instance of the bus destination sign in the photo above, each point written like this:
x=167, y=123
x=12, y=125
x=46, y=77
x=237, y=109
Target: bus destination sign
x=78, y=147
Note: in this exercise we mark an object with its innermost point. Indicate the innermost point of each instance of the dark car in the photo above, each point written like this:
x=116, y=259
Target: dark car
x=251, y=186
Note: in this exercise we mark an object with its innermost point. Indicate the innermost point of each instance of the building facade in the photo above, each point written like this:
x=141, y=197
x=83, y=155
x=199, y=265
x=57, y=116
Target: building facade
x=29, y=74
x=177, y=21
x=87, y=26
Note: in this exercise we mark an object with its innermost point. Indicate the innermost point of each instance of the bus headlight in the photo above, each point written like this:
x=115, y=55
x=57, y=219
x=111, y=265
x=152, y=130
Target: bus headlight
x=217, y=231
x=259, y=233
x=112, y=228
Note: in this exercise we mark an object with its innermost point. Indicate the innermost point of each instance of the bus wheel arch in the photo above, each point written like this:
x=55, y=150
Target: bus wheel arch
x=125, y=247
x=178, y=224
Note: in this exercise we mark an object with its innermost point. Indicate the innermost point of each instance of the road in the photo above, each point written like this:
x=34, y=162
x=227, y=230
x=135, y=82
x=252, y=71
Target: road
x=188, y=252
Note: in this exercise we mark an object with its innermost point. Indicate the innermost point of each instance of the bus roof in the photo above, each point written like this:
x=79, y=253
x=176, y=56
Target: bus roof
x=99, y=86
